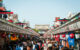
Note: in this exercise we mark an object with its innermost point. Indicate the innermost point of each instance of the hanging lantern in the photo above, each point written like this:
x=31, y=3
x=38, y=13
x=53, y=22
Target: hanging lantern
x=63, y=35
x=71, y=35
x=3, y=35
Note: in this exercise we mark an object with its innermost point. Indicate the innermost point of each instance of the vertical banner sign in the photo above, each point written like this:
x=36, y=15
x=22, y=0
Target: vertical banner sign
x=71, y=41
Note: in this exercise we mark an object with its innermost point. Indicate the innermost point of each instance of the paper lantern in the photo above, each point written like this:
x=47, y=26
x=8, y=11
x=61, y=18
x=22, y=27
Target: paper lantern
x=63, y=35
x=3, y=35
x=71, y=35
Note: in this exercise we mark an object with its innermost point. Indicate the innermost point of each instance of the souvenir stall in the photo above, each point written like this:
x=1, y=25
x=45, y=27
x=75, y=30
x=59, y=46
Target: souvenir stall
x=69, y=33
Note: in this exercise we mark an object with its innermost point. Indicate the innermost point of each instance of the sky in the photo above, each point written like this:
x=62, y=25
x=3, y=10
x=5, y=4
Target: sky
x=42, y=11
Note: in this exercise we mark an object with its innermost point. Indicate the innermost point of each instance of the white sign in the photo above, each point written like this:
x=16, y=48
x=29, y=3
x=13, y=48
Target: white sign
x=78, y=24
x=71, y=27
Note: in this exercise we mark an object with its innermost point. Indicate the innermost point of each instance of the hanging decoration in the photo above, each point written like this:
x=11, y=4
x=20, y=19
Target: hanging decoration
x=3, y=35
x=14, y=37
x=63, y=35
x=71, y=35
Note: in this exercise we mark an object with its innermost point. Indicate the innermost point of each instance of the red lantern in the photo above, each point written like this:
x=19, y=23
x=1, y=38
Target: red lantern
x=3, y=35
x=71, y=35
x=63, y=35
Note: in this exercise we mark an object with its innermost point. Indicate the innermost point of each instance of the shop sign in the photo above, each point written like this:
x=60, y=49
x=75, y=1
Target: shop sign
x=78, y=25
x=75, y=26
x=67, y=28
x=71, y=41
x=63, y=29
x=71, y=27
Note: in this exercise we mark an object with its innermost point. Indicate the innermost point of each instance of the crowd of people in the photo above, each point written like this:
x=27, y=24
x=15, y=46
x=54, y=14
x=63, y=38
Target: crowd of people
x=55, y=45
x=36, y=44
x=23, y=44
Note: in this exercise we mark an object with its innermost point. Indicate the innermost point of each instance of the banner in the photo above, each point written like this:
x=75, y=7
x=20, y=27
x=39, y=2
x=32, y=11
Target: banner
x=71, y=41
